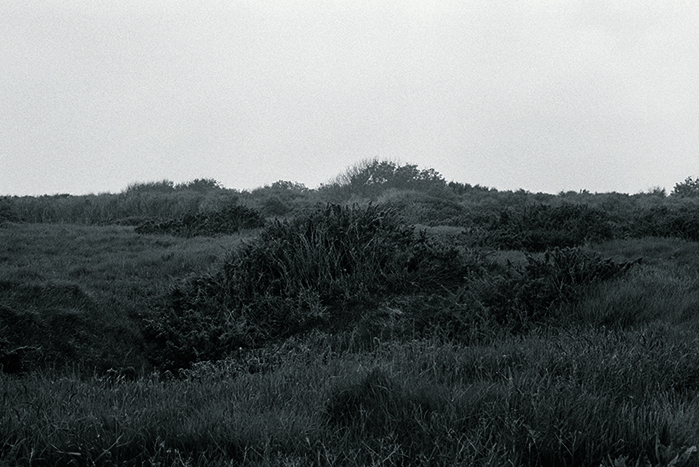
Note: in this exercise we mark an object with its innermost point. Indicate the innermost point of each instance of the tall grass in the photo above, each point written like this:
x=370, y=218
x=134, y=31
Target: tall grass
x=559, y=399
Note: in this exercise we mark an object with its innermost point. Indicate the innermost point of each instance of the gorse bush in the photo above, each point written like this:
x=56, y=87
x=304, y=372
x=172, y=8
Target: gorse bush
x=321, y=269
x=339, y=267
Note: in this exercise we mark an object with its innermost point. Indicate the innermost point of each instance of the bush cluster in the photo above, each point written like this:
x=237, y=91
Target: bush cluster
x=227, y=220
x=510, y=298
x=664, y=221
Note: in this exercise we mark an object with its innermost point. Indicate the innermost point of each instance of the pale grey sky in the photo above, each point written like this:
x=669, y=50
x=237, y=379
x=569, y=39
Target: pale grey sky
x=541, y=95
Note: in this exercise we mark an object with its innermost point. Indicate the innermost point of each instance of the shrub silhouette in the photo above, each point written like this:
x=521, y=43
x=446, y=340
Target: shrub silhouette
x=688, y=188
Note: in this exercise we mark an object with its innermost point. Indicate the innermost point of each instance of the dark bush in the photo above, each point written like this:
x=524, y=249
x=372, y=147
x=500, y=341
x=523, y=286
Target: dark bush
x=688, y=188
x=370, y=178
x=7, y=212
x=537, y=227
x=322, y=269
x=227, y=220
x=665, y=221
x=524, y=294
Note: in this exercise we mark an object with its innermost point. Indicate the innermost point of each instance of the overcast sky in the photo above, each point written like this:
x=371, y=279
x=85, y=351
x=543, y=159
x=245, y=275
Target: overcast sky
x=540, y=95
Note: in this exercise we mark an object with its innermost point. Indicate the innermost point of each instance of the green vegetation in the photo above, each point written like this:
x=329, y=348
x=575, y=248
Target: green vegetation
x=388, y=318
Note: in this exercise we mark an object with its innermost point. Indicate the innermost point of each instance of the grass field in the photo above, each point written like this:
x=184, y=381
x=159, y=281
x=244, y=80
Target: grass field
x=610, y=378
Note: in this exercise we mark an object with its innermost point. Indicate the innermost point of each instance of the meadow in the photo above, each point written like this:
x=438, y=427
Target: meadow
x=402, y=321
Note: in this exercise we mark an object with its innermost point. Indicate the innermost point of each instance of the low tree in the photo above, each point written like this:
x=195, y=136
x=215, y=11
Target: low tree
x=371, y=177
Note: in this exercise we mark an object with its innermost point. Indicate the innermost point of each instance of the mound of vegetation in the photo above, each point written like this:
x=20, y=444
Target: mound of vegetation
x=537, y=227
x=371, y=178
x=323, y=269
x=522, y=294
x=227, y=220
x=666, y=221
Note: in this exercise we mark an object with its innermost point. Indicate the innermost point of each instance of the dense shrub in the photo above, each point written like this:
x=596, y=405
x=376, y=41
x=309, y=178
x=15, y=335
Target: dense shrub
x=6, y=210
x=321, y=269
x=370, y=178
x=529, y=293
x=508, y=298
x=537, y=227
x=665, y=221
x=688, y=188
x=227, y=220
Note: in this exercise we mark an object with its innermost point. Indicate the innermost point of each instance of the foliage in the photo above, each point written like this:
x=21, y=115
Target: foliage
x=321, y=269
x=425, y=208
x=529, y=293
x=167, y=186
x=280, y=198
x=335, y=268
x=687, y=189
x=200, y=184
x=7, y=210
x=229, y=219
x=577, y=398
x=665, y=221
x=43, y=321
x=371, y=177
x=603, y=376
x=536, y=227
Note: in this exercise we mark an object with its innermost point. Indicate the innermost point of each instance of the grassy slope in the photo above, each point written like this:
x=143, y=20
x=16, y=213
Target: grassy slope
x=91, y=282
x=619, y=377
